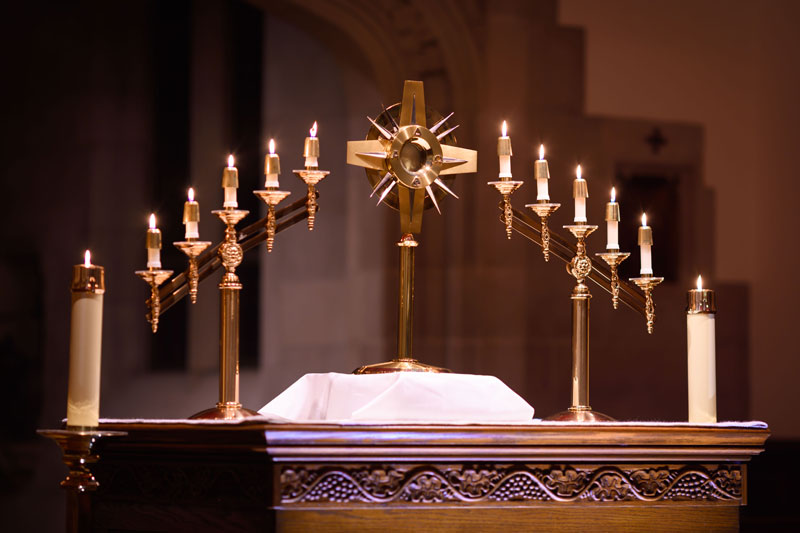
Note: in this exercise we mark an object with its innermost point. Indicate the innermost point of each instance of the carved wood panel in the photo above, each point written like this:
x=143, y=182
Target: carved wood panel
x=498, y=484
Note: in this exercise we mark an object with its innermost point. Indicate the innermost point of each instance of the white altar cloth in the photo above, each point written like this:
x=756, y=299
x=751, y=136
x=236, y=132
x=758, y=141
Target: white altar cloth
x=399, y=397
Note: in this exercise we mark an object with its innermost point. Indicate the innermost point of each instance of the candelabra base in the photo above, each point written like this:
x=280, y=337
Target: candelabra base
x=77, y=446
x=224, y=412
x=399, y=365
x=579, y=414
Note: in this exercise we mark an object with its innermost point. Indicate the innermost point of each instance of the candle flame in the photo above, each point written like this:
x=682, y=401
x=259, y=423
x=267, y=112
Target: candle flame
x=699, y=283
x=644, y=220
x=272, y=146
x=313, y=130
x=230, y=161
x=541, y=151
x=578, y=172
x=613, y=194
x=152, y=221
x=504, y=129
x=191, y=194
x=87, y=259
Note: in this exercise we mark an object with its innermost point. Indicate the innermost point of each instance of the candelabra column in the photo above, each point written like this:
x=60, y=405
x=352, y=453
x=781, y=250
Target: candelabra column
x=405, y=311
x=580, y=267
x=231, y=254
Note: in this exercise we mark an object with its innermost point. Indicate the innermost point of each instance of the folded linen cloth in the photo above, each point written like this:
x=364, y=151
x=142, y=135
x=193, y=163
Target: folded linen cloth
x=399, y=397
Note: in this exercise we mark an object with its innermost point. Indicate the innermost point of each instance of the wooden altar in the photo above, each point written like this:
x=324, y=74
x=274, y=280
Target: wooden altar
x=258, y=476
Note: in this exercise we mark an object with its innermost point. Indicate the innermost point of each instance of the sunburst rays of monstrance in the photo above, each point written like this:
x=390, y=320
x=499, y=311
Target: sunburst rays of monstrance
x=411, y=166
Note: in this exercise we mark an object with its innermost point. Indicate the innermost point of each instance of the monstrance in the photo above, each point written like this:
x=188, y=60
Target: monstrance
x=412, y=166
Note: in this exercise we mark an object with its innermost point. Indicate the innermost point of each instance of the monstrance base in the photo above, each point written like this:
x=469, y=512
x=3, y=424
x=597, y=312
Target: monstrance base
x=579, y=415
x=399, y=365
x=224, y=413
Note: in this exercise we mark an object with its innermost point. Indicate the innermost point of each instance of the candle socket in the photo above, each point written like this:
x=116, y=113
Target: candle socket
x=77, y=446
x=701, y=301
x=192, y=249
x=506, y=188
x=311, y=177
x=271, y=197
x=647, y=284
x=613, y=258
x=544, y=209
x=154, y=277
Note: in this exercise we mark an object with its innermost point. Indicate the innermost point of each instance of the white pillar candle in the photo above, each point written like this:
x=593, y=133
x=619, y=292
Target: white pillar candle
x=701, y=350
x=86, y=328
x=230, y=182
x=612, y=222
x=272, y=167
x=191, y=217
x=542, y=174
x=311, y=148
x=580, y=192
x=153, y=243
x=504, y=152
x=645, y=244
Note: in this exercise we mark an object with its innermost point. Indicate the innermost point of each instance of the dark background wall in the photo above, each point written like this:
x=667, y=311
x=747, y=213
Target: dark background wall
x=112, y=110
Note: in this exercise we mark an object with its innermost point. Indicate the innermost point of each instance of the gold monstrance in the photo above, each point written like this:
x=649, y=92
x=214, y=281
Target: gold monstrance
x=404, y=159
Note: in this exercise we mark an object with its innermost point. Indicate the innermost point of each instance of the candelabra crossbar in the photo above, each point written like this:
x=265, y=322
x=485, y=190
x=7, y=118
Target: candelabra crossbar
x=248, y=238
x=564, y=250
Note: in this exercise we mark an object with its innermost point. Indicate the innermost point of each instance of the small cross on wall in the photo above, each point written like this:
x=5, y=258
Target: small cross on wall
x=656, y=140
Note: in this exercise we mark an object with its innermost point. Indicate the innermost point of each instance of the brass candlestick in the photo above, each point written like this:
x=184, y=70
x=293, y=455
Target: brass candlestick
x=311, y=176
x=647, y=284
x=231, y=254
x=580, y=267
x=544, y=209
x=271, y=197
x=407, y=157
x=192, y=248
x=154, y=277
x=613, y=259
x=506, y=188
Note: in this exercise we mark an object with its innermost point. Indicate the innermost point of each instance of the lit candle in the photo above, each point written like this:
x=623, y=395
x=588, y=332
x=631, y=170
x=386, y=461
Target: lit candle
x=86, y=328
x=612, y=222
x=153, y=243
x=191, y=216
x=504, y=152
x=542, y=174
x=230, y=182
x=645, y=244
x=272, y=167
x=701, y=344
x=580, y=192
x=311, y=148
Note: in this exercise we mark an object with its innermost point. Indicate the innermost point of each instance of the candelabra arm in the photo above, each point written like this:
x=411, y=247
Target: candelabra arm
x=613, y=259
x=560, y=248
x=192, y=248
x=544, y=209
x=647, y=284
x=250, y=237
x=506, y=188
x=271, y=197
x=311, y=176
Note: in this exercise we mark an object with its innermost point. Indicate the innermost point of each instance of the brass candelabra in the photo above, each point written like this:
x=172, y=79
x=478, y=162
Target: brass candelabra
x=580, y=266
x=154, y=277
